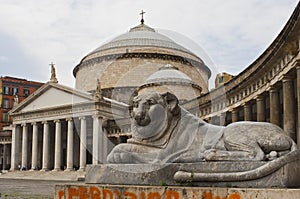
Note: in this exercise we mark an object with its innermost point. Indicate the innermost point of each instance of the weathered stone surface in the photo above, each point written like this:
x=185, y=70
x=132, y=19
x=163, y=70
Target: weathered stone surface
x=157, y=192
x=170, y=145
x=163, y=132
x=156, y=174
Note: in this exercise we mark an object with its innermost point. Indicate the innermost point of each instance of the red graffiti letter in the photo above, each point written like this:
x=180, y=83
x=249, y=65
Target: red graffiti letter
x=207, y=195
x=94, y=193
x=234, y=196
x=83, y=193
x=132, y=195
x=218, y=197
x=72, y=192
x=143, y=195
x=172, y=194
x=117, y=193
x=107, y=192
x=61, y=194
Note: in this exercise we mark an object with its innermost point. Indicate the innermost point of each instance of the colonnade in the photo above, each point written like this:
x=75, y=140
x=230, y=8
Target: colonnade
x=60, y=144
x=280, y=105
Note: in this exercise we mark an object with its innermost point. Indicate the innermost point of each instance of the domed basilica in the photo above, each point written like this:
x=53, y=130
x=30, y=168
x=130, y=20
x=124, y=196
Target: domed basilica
x=81, y=125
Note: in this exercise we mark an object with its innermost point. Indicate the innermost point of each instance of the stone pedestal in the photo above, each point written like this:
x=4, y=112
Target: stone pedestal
x=156, y=174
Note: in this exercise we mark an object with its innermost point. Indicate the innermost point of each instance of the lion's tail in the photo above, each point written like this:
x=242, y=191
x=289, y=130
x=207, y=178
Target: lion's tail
x=262, y=171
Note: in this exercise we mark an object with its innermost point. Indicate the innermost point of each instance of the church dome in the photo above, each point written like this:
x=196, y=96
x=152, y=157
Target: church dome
x=169, y=79
x=128, y=60
x=168, y=74
x=143, y=36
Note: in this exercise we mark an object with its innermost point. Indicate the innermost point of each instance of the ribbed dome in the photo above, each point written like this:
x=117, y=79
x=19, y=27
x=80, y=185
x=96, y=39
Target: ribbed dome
x=142, y=36
x=168, y=73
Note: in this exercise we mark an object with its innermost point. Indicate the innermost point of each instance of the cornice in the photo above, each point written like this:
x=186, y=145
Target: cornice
x=161, y=56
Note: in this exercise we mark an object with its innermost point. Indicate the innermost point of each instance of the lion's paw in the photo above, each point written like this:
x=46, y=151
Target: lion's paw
x=209, y=154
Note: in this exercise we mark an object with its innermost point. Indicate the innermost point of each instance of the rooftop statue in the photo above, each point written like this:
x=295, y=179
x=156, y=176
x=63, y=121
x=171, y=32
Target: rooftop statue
x=163, y=132
x=53, y=73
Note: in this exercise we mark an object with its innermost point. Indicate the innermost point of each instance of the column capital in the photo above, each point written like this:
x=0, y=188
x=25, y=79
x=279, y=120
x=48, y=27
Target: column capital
x=45, y=122
x=273, y=89
x=246, y=105
x=82, y=118
x=234, y=110
x=23, y=124
x=33, y=123
x=223, y=113
x=69, y=119
x=56, y=121
x=297, y=65
x=287, y=78
x=260, y=98
x=96, y=116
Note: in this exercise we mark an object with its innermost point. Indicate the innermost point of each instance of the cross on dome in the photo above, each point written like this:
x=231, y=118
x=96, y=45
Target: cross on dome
x=142, y=13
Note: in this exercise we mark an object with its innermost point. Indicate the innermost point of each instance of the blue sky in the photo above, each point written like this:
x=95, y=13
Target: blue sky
x=232, y=33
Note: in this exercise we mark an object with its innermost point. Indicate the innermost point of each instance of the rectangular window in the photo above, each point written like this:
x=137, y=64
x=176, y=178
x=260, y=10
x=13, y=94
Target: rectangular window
x=5, y=103
x=15, y=91
x=5, y=117
x=26, y=92
x=6, y=90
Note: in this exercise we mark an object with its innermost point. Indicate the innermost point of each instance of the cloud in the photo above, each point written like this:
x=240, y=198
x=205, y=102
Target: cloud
x=3, y=58
x=233, y=33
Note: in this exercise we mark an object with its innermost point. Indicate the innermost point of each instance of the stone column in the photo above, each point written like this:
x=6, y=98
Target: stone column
x=274, y=106
x=4, y=156
x=24, y=147
x=58, y=151
x=46, y=149
x=222, y=119
x=298, y=103
x=289, y=107
x=13, y=163
x=82, y=143
x=234, y=115
x=19, y=146
x=247, y=112
x=34, y=146
x=260, y=104
x=97, y=138
x=70, y=145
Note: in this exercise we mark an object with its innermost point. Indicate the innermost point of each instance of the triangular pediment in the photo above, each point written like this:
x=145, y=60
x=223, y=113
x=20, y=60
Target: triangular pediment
x=52, y=95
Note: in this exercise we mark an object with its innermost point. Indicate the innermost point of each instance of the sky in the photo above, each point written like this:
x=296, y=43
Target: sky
x=228, y=35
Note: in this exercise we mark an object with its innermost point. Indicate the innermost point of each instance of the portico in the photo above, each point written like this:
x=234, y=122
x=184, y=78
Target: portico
x=66, y=136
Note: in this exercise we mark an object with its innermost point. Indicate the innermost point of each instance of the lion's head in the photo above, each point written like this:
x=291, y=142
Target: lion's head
x=151, y=114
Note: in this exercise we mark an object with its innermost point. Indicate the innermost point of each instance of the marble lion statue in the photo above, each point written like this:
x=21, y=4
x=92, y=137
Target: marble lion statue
x=163, y=132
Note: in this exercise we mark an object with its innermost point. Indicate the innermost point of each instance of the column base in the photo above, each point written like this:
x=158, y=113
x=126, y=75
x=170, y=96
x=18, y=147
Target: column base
x=81, y=169
x=56, y=169
x=69, y=169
